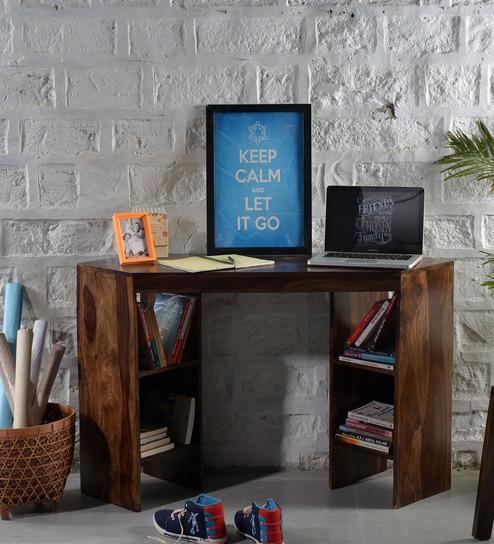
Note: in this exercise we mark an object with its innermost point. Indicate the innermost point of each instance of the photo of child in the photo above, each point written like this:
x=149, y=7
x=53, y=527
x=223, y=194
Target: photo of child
x=134, y=238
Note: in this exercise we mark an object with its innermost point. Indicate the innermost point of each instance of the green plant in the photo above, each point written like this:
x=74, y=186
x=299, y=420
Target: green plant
x=472, y=156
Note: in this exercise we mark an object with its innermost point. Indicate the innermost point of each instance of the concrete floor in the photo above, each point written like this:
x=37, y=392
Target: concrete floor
x=312, y=513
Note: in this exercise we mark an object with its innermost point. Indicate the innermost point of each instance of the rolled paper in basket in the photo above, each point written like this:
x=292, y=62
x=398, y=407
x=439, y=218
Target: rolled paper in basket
x=11, y=323
x=46, y=383
x=22, y=378
x=7, y=370
x=39, y=333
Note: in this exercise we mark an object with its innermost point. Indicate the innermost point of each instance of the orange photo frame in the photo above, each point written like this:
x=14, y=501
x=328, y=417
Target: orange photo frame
x=134, y=239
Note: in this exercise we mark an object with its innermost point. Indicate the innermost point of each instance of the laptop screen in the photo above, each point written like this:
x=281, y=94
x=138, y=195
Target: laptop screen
x=374, y=219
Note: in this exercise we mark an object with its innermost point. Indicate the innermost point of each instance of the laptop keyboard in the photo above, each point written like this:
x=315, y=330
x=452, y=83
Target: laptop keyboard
x=381, y=256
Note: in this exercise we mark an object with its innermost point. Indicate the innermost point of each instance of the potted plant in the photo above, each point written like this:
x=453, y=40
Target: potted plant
x=472, y=156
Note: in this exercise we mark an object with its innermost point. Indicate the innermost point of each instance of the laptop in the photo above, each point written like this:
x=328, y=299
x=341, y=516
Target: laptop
x=373, y=227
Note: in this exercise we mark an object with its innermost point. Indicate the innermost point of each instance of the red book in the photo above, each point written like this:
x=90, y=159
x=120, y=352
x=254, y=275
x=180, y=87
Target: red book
x=385, y=331
x=176, y=345
x=186, y=328
x=147, y=334
x=368, y=428
x=361, y=326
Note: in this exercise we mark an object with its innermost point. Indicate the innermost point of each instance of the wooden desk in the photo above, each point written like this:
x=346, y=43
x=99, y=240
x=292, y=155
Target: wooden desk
x=111, y=382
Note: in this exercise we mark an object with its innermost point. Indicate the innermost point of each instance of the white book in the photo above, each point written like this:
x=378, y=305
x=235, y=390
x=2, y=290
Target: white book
x=152, y=432
x=154, y=437
x=182, y=424
x=364, y=362
x=155, y=444
x=155, y=451
x=374, y=412
x=372, y=324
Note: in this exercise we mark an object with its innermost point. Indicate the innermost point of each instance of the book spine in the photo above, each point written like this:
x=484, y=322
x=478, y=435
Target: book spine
x=361, y=436
x=371, y=420
x=176, y=344
x=186, y=329
x=156, y=335
x=367, y=356
x=363, y=362
x=369, y=428
x=355, y=442
x=142, y=313
x=361, y=326
x=372, y=324
x=386, y=316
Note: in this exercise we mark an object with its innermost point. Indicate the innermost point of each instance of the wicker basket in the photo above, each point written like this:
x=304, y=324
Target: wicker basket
x=35, y=461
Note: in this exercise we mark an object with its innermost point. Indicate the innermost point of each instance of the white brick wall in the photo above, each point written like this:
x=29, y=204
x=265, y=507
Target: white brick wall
x=102, y=108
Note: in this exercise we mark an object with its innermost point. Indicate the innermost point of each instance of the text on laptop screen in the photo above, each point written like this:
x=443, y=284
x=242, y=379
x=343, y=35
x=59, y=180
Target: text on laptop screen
x=374, y=219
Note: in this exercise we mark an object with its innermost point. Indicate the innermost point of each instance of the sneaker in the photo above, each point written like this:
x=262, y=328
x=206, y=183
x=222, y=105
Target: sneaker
x=200, y=520
x=261, y=524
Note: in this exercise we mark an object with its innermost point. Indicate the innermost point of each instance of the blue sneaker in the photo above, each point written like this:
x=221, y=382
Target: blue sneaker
x=261, y=524
x=200, y=520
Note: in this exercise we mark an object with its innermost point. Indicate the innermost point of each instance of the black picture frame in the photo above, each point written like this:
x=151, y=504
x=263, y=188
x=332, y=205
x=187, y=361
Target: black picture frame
x=305, y=110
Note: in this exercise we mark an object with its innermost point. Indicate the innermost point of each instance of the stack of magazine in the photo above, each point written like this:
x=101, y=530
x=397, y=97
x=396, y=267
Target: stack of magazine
x=370, y=426
x=372, y=343
x=154, y=440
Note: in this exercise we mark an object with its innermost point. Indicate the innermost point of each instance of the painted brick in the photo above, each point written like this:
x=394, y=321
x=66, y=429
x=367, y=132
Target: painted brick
x=176, y=88
x=13, y=187
x=196, y=135
x=467, y=191
x=188, y=235
x=62, y=287
x=274, y=428
x=4, y=132
x=27, y=89
x=344, y=32
x=406, y=174
x=447, y=85
x=480, y=33
x=449, y=232
x=221, y=3
x=55, y=4
x=37, y=237
x=59, y=136
x=143, y=136
x=475, y=331
x=96, y=88
x=276, y=84
x=43, y=36
x=175, y=183
x=359, y=84
x=102, y=181
x=317, y=3
x=65, y=331
x=157, y=38
x=89, y=36
x=421, y=35
x=58, y=186
x=252, y=36
x=7, y=273
x=469, y=275
x=6, y=35
x=469, y=426
x=130, y=3
x=471, y=380
x=488, y=231
x=349, y=134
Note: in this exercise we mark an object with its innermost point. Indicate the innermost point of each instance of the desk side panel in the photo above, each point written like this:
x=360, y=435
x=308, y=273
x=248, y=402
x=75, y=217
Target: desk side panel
x=108, y=381
x=423, y=392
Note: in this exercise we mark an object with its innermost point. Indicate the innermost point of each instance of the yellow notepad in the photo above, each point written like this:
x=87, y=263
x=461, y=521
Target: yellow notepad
x=214, y=262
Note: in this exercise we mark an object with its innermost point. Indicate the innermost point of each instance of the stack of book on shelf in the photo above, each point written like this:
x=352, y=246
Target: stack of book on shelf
x=155, y=439
x=165, y=322
x=372, y=343
x=370, y=426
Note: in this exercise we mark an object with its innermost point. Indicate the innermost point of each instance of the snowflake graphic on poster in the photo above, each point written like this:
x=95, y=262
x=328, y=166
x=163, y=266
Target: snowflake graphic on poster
x=257, y=133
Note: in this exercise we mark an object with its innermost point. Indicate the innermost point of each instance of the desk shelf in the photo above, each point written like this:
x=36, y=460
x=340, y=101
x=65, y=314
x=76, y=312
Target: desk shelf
x=112, y=387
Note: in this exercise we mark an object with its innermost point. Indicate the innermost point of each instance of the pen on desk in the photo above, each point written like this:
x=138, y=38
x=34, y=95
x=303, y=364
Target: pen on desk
x=231, y=259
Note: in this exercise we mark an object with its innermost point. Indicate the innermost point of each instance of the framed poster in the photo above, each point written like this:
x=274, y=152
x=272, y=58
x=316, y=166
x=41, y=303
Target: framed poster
x=259, y=179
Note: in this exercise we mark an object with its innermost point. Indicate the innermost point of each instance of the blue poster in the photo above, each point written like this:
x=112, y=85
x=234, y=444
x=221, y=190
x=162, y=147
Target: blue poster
x=259, y=179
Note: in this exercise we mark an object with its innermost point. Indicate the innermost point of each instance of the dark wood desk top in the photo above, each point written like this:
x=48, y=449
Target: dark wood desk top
x=287, y=274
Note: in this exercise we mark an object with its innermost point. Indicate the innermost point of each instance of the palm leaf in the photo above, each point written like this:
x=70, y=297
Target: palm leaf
x=472, y=155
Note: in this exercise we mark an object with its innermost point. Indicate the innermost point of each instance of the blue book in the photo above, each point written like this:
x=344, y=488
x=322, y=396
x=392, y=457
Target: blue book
x=11, y=324
x=169, y=309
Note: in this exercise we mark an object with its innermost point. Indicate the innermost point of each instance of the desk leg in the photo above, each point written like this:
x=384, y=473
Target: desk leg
x=484, y=507
x=108, y=388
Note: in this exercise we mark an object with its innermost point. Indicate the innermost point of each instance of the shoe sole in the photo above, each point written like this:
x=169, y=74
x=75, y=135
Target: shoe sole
x=247, y=536
x=186, y=538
